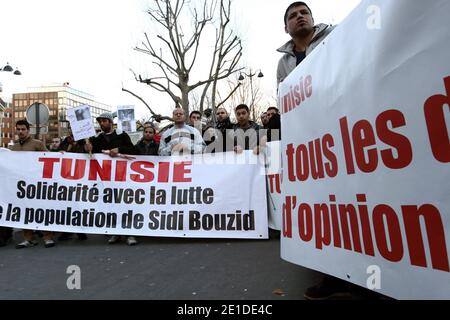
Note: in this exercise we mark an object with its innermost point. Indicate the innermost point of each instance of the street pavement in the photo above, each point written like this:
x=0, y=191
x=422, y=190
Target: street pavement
x=156, y=269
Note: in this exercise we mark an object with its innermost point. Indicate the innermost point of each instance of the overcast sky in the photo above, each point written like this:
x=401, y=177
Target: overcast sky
x=89, y=43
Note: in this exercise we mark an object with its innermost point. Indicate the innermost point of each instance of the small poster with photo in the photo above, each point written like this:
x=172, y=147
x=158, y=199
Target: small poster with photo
x=126, y=119
x=81, y=122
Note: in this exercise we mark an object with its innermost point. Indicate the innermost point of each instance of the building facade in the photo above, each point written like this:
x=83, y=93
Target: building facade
x=2, y=110
x=5, y=124
x=58, y=99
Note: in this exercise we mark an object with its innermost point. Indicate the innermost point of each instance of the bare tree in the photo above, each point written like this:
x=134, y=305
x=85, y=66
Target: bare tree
x=248, y=92
x=176, y=62
x=156, y=117
x=140, y=123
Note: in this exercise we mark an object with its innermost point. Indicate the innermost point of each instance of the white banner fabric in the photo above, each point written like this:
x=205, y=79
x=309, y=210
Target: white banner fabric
x=366, y=151
x=149, y=196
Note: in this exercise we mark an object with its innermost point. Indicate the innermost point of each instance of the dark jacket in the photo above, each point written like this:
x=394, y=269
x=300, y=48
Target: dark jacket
x=218, y=142
x=111, y=141
x=247, y=138
x=224, y=125
x=149, y=149
x=273, y=125
x=70, y=145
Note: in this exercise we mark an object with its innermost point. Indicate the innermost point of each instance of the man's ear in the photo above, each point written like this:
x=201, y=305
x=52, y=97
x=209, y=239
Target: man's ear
x=285, y=29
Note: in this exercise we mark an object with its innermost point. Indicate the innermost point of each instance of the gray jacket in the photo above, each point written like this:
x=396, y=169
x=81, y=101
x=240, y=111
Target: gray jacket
x=288, y=62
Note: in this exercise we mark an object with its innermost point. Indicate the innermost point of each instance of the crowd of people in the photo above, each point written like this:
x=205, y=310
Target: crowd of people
x=191, y=136
x=184, y=136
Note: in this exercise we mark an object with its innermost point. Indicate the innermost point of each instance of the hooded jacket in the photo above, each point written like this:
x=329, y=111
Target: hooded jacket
x=288, y=61
x=147, y=149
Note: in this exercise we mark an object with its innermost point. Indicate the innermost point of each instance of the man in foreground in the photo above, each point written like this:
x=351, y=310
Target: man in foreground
x=27, y=143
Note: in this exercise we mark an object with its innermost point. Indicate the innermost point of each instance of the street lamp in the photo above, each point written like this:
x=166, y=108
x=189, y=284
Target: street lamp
x=8, y=68
x=251, y=75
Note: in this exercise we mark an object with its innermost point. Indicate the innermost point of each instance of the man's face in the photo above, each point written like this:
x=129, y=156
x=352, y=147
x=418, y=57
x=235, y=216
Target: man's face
x=242, y=116
x=178, y=116
x=105, y=125
x=299, y=22
x=148, y=134
x=55, y=142
x=271, y=113
x=22, y=131
x=194, y=118
x=221, y=115
x=264, y=118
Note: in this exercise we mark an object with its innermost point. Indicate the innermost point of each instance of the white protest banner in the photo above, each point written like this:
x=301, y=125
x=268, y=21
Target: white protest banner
x=366, y=151
x=148, y=196
x=274, y=178
x=81, y=122
x=126, y=119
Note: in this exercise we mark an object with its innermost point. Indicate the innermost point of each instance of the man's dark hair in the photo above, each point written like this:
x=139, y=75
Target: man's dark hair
x=195, y=112
x=293, y=5
x=242, y=106
x=274, y=108
x=23, y=122
x=150, y=127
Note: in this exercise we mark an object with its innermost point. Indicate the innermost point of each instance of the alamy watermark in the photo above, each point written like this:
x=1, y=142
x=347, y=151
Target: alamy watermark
x=374, y=19
x=74, y=280
x=374, y=279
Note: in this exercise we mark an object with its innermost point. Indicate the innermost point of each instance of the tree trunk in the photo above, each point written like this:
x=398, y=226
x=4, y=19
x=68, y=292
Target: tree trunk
x=185, y=98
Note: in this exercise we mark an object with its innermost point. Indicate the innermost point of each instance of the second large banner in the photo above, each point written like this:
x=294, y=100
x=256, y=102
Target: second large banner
x=366, y=151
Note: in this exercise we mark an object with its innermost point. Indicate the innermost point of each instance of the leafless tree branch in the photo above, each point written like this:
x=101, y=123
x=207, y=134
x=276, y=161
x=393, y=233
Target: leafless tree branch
x=156, y=116
x=183, y=49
